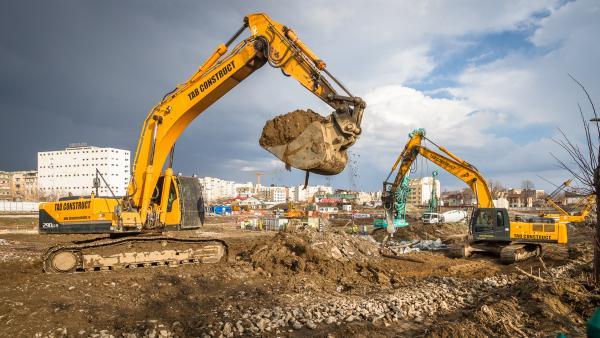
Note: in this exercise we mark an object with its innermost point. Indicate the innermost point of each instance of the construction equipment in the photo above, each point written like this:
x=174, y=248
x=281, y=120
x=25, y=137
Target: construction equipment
x=157, y=199
x=432, y=215
x=399, y=206
x=293, y=212
x=585, y=205
x=490, y=228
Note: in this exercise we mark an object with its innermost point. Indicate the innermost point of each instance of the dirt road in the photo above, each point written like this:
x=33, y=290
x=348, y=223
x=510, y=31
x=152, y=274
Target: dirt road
x=300, y=283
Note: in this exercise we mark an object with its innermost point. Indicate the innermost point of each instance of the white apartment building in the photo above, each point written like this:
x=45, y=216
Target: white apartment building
x=216, y=188
x=420, y=190
x=303, y=195
x=72, y=171
x=244, y=189
x=274, y=194
x=369, y=198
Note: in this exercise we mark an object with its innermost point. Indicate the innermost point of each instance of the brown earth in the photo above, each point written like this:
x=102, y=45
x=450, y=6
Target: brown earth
x=285, y=128
x=300, y=283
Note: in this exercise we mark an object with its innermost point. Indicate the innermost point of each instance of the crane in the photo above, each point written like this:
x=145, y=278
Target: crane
x=490, y=229
x=585, y=206
x=157, y=199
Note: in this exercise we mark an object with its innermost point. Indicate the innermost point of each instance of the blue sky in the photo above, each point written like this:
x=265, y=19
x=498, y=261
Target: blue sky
x=486, y=79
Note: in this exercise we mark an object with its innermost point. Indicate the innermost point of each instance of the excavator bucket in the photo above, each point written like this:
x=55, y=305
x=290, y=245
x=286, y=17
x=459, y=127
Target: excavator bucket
x=308, y=141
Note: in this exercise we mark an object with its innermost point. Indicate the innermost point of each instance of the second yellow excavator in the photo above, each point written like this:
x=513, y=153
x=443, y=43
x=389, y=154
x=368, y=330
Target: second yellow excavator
x=579, y=212
x=157, y=199
x=490, y=229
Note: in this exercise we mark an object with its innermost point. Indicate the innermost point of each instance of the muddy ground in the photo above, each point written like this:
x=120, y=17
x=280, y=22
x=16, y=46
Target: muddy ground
x=300, y=283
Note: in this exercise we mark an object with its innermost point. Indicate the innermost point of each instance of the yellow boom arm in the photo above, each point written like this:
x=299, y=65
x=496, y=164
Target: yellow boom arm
x=270, y=42
x=447, y=161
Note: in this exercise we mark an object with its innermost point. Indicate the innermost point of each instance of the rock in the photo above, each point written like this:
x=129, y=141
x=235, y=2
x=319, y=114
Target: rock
x=227, y=329
x=336, y=253
x=296, y=325
x=311, y=325
x=239, y=327
x=262, y=323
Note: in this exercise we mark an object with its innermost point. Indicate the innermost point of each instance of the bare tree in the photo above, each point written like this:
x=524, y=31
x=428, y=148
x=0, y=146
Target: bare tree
x=527, y=185
x=584, y=166
x=496, y=187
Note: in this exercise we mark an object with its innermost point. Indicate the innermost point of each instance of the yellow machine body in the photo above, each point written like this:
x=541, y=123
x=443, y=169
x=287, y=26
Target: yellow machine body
x=148, y=204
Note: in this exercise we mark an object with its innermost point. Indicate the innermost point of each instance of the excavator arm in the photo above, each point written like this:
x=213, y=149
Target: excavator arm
x=270, y=42
x=445, y=160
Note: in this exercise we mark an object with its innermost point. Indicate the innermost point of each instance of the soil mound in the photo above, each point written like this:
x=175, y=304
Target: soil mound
x=285, y=128
x=334, y=256
x=526, y=309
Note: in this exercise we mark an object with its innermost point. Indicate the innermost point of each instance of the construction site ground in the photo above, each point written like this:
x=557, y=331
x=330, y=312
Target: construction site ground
x=298, y=283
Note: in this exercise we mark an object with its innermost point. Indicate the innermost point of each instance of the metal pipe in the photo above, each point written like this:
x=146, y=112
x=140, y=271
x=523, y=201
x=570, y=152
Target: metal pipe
x=171, y=155
x=154, y=132
x=338, y=82
x=235, y=36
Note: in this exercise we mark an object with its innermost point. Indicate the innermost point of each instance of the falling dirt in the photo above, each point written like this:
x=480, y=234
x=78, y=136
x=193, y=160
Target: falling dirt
x=285, y=128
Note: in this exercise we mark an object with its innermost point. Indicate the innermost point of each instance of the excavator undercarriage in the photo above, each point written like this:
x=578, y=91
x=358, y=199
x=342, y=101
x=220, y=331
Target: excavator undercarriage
x=509, y=252
x=132, y=252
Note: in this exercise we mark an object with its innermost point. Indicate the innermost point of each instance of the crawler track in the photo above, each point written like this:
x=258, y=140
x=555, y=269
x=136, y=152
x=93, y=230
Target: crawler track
x=519, y=252
x=132, y=252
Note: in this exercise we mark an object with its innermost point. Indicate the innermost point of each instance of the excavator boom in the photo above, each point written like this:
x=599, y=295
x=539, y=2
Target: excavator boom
x=446, y=160
x=157, y=199
x=271, y=43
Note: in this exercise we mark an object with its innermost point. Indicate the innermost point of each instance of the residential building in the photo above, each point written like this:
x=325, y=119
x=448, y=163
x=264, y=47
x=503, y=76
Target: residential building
x=244, y=189
x=369, y=198
x=5, y=185
x=420, y=190
x=24, y=185
x=461, y=198
x=250, y=203
x=524, y=198
x=72, y=171
x=339, y=197
x=217, y=189
x=305, y=194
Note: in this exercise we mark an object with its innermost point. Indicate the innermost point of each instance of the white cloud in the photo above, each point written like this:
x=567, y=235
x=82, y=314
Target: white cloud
x=535, y=88
x=394, y=111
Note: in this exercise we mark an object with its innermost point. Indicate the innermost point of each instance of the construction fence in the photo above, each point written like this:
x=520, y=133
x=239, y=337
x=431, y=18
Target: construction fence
x=18, y=207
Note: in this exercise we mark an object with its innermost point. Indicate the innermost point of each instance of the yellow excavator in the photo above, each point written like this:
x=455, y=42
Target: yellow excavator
x=490, y=229
x=157, y=199
x=585, y=205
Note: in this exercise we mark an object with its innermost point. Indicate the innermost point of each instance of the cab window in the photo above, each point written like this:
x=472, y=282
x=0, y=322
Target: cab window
x=172, y=197
x=484, y=217
x=499, y=218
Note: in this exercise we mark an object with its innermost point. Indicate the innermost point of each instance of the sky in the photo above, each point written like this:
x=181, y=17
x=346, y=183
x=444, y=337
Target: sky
x=486, y=79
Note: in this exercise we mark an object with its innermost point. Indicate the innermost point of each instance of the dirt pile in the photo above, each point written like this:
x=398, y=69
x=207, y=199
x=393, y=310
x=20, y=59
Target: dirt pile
x=285, y=128
x=336, y=256
x=431, y=231
x=558, y=302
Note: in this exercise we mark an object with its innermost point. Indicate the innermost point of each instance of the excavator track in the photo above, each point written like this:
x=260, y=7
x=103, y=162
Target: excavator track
x=132, y=252
x=519, y=252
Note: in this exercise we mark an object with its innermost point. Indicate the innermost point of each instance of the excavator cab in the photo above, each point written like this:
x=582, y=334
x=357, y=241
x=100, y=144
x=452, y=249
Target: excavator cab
x=490, y=224
x=184, y=203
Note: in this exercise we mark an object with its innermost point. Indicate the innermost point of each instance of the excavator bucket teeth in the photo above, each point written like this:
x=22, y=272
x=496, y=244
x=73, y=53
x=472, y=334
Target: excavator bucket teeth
x=307, y=141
